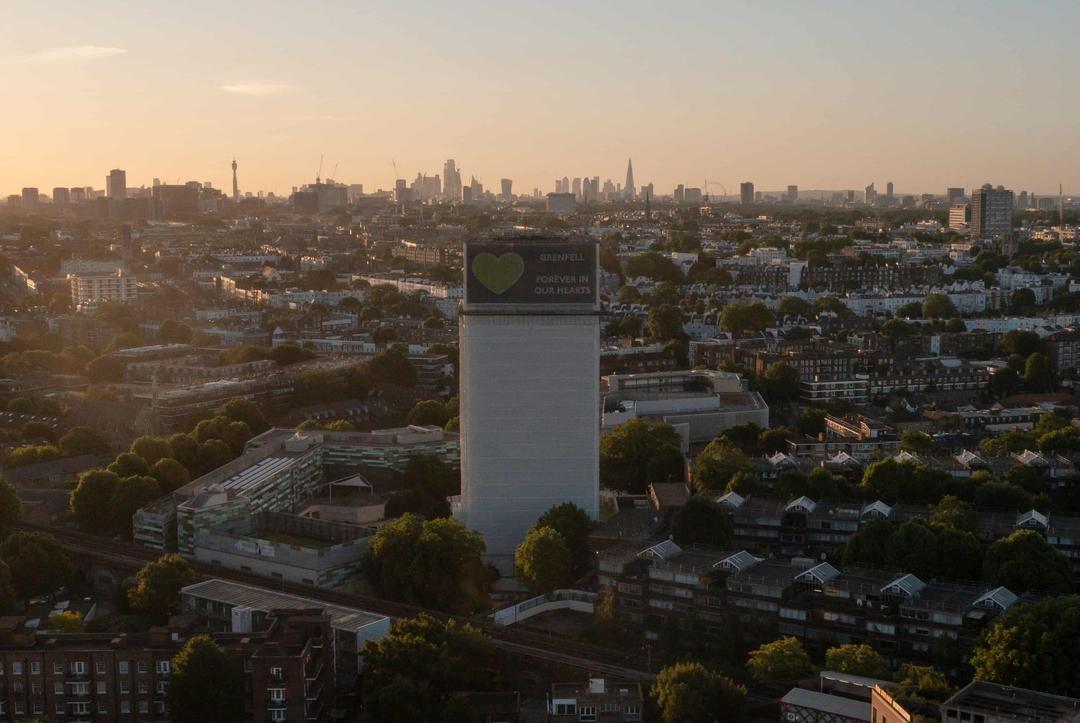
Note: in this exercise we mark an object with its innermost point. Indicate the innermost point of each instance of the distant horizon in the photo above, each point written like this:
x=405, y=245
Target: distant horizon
x=836, y=95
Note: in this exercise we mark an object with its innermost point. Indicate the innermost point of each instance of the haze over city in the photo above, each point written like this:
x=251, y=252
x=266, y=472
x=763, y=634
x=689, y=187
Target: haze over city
x=827, y=96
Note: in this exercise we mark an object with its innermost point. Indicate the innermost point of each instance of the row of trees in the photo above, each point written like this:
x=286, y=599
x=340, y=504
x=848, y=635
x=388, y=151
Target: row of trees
x=104, y=500
x=75, y=442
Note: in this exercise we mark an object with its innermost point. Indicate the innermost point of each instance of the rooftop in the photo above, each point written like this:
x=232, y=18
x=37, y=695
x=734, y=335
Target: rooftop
x=1017, y=703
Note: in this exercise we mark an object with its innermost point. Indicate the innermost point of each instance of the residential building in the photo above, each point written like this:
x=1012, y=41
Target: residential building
x=599, y=700
x=90, y=289
x=984, y=702
x=746, y=193
x=991, y=212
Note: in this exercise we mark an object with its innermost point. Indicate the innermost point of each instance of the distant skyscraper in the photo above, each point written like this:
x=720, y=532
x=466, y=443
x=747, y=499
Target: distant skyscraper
x=991, y=213
x=507, y=189
x=629, y=188
x=889, y=190
x=954, y=195
x=235, y=185
x=116, y=185
x=577, y=188
x=30, y=199
x=1022, y=202
x=451, y=181
x=61, y=196
x=870, y=195
x=792, y=194
x=746, y=193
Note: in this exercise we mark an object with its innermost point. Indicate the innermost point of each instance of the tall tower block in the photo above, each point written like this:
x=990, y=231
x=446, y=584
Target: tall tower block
x=629, y=188
x=530, y=385
x=235, y=185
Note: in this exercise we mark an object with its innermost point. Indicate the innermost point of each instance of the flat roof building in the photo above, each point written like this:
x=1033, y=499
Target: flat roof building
x=988, y=702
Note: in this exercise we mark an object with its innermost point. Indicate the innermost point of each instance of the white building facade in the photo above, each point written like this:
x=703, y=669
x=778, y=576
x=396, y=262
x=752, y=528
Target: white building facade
x=530, y=386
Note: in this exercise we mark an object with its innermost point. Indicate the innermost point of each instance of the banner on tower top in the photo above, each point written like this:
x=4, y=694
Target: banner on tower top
x=530, y=272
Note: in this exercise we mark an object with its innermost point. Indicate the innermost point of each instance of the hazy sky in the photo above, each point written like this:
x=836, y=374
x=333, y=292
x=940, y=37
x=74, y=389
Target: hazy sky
x=821, y=93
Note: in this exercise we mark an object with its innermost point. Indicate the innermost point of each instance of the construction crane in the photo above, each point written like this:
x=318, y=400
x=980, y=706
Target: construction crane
x=318, y=173
x=396, y=175
x=334, y=176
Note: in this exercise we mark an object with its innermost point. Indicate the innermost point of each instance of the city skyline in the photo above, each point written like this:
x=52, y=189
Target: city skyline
x=533, y=93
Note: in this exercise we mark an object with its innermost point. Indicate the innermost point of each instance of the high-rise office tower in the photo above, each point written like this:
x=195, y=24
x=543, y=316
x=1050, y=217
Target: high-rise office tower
x=530, y=394
x=870, y=195
x=629, y=190
x=991, y=213
x=30, y=199
x=61, y=196
x=792, y=194
x=577, y=188
x=507, y=186
x=451, y=181
x=954, y=195
x=235, y=185
x=116, y=185
x=746, y=193
x=1022, y=202
x=889, y=190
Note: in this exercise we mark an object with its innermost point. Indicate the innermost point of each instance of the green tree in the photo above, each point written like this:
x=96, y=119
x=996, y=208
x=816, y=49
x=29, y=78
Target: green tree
x=746, y=317
x=543, y=560
x=151, y=449
x=717, y=464
x=392, y=367
x=90, y=501
x=953, y=513
x=870, y=546
x=286, y=354
x=1038, y=374
x=248, y=412
x=780, y=382
x=156, y=593
x=431, y=563
x=916, y=442
x=666, y=322
x=83, y=440
x=170, y=474
x=999, y=495
x=574, y=525
x=691, y=693
x=205, y=684
x=428, y=411
x=702, y=521
x=794, y=306
x=1026, y=561
x=106, y=369
x=185, y=449
x=639, y=453
x=781, y=661
x=1022, y=343
x=857, y=660
x=173, y=332
x=1033, y=646
x=938, y=306
x=129, y=465
x=7, y=589
x=37, y=562
x=129, y=495
x=410, y=674
x=9, y=508
x=812, y=421
x=212, y=454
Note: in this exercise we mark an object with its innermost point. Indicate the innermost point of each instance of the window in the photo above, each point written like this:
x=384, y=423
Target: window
x=277, y=714
x=80, y=689
x=632, y=711
x=123, y=666
x=99, y=666
x=144, y=688
x=35, y=667
x=125, y=687
x=162, y=687
x=20, y=708
x=143, y=667
x=247, y=665
x=35, y=689
x=275, y=673
x=38, y=707
x=587, y=713
x=144, y=706
x=101, y=690
x=102, y=709
x=80, y=708
x=58, y=668
x=58, y=688
x=161, y=667
x=125, y=706
x=59, y=707
x=78, y=667
x=16, y=668
x=277, y=694
x=565, y=708
x=159, y=706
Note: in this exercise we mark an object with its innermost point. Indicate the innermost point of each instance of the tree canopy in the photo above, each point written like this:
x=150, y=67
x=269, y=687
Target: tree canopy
x=691, y=693
x=857, y=660
x=205, y=684
x=37, y=562
x=543, y=560
x=639, y=453
x=781, y=661
x=702, y=521
x=156, y=593
x=1026, y=561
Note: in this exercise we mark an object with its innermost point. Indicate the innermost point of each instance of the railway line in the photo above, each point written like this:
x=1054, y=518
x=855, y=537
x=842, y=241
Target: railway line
x=529, y=644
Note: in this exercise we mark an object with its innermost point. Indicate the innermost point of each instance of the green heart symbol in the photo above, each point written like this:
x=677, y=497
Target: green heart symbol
x=498, y=273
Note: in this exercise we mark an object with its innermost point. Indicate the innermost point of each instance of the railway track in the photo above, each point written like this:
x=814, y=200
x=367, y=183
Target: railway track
x=515, y=641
